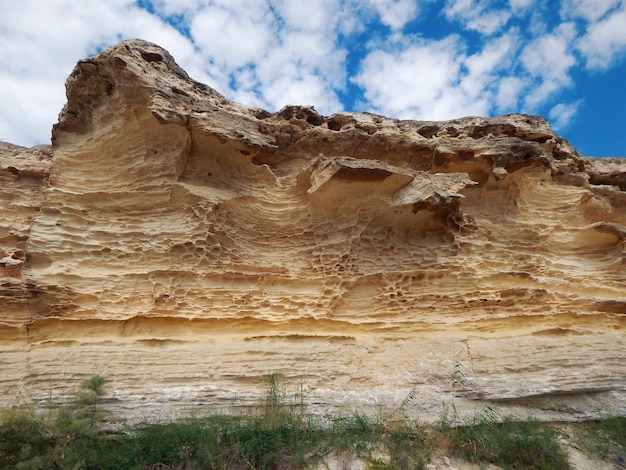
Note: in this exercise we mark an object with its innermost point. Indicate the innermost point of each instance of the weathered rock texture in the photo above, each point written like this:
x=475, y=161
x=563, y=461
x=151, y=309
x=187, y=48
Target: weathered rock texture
x=184, y=246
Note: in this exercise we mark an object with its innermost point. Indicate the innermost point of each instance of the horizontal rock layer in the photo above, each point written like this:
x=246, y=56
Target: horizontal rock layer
x=184, y=247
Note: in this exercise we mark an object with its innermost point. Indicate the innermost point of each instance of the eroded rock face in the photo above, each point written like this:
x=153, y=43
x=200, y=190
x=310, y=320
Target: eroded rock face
x=184, y=246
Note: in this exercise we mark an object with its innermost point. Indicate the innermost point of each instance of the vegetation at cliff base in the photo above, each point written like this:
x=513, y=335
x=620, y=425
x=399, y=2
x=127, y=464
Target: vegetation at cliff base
x=277, y=434
x=605, y=438
x=511, y=444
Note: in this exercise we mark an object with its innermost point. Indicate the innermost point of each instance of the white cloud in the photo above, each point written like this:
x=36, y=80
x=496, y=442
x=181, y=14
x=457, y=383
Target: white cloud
x=561, y=115
x=549, y=59
x=477, y=15
x=270, y=57
x=29, y=106
x=168, y=8
x=267, y=57
x=315, y=16
x=306, y=89
x=412, y=82
x=231, y=38
x=395, y=13
x=605, y=41
x=590, y=10
x=439, y=80
x=301, y=59
x=509, y=90
x=41, y=44
x=495, y=56
x=517, y=5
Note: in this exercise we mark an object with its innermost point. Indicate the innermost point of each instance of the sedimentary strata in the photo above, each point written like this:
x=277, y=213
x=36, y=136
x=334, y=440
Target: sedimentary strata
x=185, y=246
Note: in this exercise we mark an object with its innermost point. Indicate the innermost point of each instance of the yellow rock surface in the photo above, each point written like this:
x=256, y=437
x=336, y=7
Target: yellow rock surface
x=184, y=247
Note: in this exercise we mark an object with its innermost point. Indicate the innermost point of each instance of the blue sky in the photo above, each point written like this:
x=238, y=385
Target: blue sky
x=424, y=59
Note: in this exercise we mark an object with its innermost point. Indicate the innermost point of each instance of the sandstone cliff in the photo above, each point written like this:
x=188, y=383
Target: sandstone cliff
x=184, y=246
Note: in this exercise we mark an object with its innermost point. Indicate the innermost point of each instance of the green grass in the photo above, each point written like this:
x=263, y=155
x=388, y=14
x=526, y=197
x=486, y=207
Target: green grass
x=278, y=434
x=520, y=444
x=605, y=438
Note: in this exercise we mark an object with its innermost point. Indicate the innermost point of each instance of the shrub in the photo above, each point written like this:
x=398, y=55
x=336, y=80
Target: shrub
x=63, y=440
x=25, y=439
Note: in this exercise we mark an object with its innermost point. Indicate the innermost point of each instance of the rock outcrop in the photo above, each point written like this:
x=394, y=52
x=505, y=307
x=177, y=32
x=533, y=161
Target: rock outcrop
x=184, y=247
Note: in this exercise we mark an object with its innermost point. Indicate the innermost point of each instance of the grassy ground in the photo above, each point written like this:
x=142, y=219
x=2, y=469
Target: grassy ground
x=604, y=438
x=279, y=434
